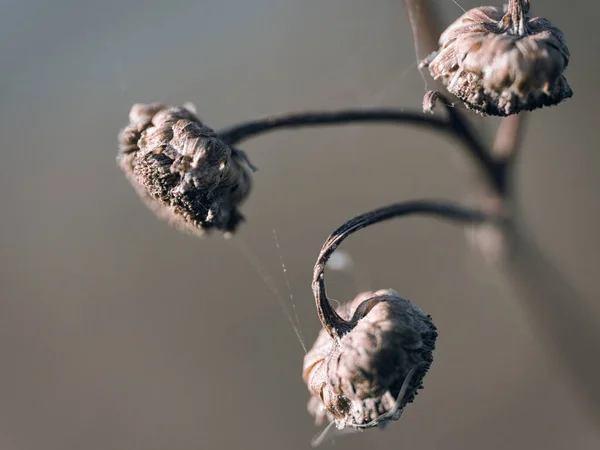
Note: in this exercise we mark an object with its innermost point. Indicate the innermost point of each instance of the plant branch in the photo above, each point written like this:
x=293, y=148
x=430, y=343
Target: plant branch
x=563, y=315
x=454, y=125
x=493, y=169
x=237, y=133
x=335, y=325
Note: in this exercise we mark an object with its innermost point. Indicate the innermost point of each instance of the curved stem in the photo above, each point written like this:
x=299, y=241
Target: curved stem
x=493, y=170
x=236, y=133
x=453, y=126
x=335, y=325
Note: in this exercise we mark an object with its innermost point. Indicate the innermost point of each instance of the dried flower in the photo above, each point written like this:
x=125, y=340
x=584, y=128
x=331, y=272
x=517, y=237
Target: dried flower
x=365, y=376
x=502, y=62
x=182, y=170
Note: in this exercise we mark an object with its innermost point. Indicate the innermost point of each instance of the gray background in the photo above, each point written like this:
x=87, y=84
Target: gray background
x=117, y=332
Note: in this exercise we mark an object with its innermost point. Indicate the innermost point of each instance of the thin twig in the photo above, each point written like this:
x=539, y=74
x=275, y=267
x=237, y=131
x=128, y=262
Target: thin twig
x=237, y=133
x=505, y=151
x=493, y=171
x=561, y=313
x=331, y=321
x=454, y=126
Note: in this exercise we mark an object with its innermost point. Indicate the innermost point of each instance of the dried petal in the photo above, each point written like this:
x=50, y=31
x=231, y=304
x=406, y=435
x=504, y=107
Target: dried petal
x=356, y=379
x=500, y=63
x=182, y=170
x=429, y=101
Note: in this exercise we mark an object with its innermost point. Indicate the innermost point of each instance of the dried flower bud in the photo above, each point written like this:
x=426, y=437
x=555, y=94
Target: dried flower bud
x=182, y=170
x=502, y=62
x=368, y=374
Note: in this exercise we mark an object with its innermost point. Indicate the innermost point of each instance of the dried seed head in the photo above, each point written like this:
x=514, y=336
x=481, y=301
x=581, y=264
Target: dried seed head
x=364, y=377
x=182, y=170
x=502, y=62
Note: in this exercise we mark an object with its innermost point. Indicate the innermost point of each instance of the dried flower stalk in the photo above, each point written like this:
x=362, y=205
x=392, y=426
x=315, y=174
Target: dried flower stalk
x=502, y=62
x=182, y=170
x=453, y=125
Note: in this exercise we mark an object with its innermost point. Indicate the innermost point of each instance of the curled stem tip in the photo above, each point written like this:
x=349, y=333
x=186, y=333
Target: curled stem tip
x=335, y=325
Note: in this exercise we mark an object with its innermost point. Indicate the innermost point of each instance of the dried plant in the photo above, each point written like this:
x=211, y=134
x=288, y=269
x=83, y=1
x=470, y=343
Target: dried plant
x=372, y=355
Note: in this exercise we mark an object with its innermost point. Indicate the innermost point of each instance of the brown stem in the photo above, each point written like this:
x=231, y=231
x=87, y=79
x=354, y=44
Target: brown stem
x=508, y=137
x=425, y=26
x=335, y=325
x=493, y=170
x=561, y=313
x=505, y=150
x=517, y=9
x=454, y=126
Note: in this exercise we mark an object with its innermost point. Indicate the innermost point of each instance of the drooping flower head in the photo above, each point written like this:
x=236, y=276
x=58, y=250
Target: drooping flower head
x=500, y=62
x=182, y=170
x=365, y=376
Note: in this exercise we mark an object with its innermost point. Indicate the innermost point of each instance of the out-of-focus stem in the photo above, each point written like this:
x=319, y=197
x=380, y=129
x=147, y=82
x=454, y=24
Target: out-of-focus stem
x=425, y=26
x=562, y=315
x=455, y=126
x=505, y=150
x=509, y=136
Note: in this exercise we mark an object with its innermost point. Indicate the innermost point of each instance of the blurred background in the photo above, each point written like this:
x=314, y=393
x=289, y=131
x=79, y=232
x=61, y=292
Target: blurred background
x=118, y=332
